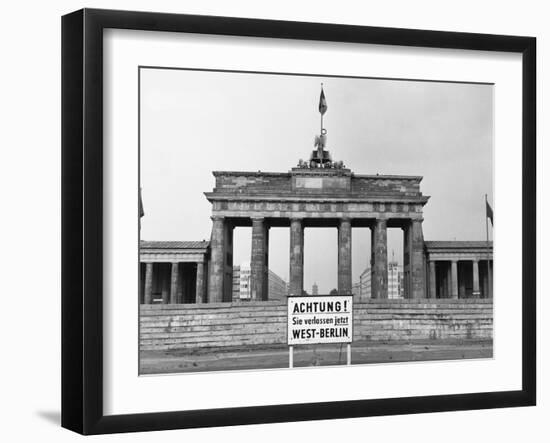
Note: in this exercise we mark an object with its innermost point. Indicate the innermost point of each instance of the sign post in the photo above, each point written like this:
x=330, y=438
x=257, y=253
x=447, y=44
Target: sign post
x=319, y=319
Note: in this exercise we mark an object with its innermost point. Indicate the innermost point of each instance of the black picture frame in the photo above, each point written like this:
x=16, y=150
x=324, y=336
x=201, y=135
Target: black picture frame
x=82, y=215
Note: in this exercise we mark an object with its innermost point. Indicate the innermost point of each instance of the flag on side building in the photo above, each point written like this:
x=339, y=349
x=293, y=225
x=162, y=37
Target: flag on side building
x=489, y=211
x=141, y=212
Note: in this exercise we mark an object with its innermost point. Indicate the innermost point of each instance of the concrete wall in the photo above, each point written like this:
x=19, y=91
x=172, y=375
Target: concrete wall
x=423, y=319
x=264, y=323
x=212, y=325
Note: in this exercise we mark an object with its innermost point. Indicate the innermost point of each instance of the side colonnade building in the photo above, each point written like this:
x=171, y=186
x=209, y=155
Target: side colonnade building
x=460, y=269
x=175, y=272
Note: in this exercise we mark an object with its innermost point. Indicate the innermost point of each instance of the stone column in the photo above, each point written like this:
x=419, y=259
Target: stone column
x=406, y=262
x=484, y=282
x=148, y=291
x=199, y=290
x=432, y=293
x=266, y=261
x=258, y=265
x=174, y=284
x=344, y=256
x=417, y=267
x=165, y=285
x=379, y=267
x=217, y=260
x=475, y=276
x=449, y=281
x=454, y=279
x=228, y=262
x=296, y=273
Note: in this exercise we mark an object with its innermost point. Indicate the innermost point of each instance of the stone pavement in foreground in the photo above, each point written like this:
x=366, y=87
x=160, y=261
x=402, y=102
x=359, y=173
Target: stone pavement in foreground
x=267, y=357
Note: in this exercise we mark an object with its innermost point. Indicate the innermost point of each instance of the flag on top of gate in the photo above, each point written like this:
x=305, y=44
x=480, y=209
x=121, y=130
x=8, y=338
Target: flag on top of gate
x=489, y=211
x=322, y=102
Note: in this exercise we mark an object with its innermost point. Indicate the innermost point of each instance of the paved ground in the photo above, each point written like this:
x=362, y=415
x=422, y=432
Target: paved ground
x=162, y=362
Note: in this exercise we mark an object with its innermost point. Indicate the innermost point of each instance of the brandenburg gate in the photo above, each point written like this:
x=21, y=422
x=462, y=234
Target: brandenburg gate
x=318, y=193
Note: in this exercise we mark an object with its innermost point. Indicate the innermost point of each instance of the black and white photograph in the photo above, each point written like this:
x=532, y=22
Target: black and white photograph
x=275, y=221
x=304, y=220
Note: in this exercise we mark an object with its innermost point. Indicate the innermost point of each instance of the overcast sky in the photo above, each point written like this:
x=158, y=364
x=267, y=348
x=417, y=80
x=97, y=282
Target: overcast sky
x=195, y=122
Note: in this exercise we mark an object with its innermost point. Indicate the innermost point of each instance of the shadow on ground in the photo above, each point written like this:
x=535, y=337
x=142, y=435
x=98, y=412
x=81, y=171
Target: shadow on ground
x=53, y=417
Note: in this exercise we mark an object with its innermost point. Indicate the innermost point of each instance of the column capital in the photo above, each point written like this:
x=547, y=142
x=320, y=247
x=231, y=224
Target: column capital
x=257, y=219
x=345, y=219
x=217, y=217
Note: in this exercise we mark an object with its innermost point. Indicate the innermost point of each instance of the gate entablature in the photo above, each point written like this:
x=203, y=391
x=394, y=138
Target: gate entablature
x=317, y=193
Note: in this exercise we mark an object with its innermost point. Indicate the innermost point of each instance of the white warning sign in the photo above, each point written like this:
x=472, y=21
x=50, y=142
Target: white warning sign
x=320, y=319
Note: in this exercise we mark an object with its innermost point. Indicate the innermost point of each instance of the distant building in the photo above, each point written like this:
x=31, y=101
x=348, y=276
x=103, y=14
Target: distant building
x=315, y=289
x=364, y=284
x=395, y=280
x=241, y=282
x=278, y=288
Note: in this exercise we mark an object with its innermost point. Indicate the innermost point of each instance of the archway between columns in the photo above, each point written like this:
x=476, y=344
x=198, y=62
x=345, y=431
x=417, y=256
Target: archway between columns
x=361, y=262
x=320, y=260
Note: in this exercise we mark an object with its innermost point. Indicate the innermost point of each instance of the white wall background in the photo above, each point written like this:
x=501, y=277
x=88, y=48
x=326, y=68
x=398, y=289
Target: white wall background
x=30, y=218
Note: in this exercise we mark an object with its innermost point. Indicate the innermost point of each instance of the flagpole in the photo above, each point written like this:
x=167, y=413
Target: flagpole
x=486, y=221
x=488, y=252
